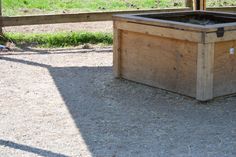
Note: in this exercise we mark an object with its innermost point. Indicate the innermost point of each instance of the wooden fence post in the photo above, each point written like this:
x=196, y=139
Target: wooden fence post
x=199, y=4
x=202, y=4
x=1, y=33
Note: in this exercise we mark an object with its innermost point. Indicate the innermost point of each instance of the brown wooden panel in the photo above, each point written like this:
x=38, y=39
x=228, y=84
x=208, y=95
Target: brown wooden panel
x=0, y=17
x=161, y=31
x=224, y=69
x=166, y=63
x=229, y=35
x=116, y=50
x=223, y=9
x=78, y=17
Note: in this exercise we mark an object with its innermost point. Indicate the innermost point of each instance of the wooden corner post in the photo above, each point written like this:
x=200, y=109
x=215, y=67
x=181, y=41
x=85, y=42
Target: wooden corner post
x=199, y=4
x=1, y=33
x=205, y=63
x=116, y=50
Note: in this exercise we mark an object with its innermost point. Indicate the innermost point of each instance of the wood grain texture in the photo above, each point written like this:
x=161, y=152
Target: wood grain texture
x=86, y=17
x=205, y=62
x=161, y=62
x=70, y=18
x=224, y=69
x=212, y=37
x=161, y=31
x=199, y=4
x=191, y=63
x=202, y=4
x=231, y=9
x=116, y=50
x=1, y=17
x=178, y=25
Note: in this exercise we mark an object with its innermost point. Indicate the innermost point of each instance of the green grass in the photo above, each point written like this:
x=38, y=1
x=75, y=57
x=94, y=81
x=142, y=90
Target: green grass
x=220, y=3
x=19, y=7
x=60, y=39
x=22, y=7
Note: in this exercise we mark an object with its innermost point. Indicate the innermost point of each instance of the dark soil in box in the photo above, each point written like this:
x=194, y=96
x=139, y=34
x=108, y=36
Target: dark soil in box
x=199, y=18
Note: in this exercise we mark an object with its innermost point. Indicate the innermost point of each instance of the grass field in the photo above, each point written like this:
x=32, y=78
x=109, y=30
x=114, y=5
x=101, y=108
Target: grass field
x=18, y=7
x=21, y=7
x=62, y=39
x=24, y=7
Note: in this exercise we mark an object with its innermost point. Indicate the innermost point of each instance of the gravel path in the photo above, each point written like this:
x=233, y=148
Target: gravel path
x=65, y=102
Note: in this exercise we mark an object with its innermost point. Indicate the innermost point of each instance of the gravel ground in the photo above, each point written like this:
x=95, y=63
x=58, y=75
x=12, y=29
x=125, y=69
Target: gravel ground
x=51, y=28
x=65, y=102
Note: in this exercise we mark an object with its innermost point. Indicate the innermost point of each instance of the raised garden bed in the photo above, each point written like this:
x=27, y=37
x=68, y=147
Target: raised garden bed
x=191, y=53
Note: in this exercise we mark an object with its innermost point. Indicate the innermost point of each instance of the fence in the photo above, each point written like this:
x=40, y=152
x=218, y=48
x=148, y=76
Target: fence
x=95, y=16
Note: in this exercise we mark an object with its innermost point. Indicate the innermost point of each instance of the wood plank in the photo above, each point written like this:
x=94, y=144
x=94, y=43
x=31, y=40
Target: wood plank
x=70, y=18
x=85, y=17
x=224, y=69
x=161, y=31
x=202, y=4
x=1, y=17
x=212, y=37
x=161, y=62
x=196, y=5
x=223, y=9
x=116, y=50
x=205, y=62
x=199, y=4
x=161, y=23
x=178, y=25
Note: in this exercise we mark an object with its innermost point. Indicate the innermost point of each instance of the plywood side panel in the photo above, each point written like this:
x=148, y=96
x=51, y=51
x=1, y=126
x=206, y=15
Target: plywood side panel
x=164, y=32
x=212, y=37
x=224, y=69
x=161, y=62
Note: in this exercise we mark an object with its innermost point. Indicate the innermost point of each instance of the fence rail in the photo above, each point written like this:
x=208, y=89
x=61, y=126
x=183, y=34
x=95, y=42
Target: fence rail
x=6, y=21
x=70, y=18
x=223, y=9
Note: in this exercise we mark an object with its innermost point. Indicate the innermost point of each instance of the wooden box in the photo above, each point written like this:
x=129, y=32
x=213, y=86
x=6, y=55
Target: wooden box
x=191, y=53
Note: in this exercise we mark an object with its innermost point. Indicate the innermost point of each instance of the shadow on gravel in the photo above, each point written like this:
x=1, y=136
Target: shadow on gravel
x=30, y=149
x=120, y=118
x=35, y=51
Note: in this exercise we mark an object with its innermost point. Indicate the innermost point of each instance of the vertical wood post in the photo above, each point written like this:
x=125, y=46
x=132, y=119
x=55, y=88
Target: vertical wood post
x=202, y=4
x=1, y=33
x=189, y=3
x=116, y=50
x=199, y=4
x=205, y=63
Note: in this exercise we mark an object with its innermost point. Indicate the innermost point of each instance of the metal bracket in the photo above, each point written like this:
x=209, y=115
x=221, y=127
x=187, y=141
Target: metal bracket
x=220, y=32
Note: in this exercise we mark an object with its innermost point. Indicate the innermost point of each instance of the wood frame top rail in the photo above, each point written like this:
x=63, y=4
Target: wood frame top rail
x=136, y=18
x=160, y=31
x=223, y=9
x=71, y=18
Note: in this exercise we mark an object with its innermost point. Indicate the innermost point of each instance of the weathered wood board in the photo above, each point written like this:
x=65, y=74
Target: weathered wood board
x=161, y=62
x=224, y=69
x=194, y=61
